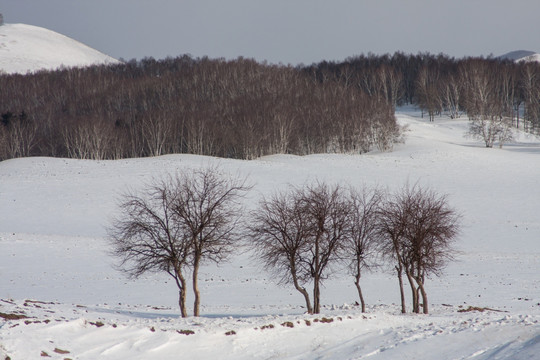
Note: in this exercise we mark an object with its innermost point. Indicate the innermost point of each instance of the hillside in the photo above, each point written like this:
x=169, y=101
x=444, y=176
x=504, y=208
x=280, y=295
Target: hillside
x=27, y=48
x=521, y=56
x=55, y=268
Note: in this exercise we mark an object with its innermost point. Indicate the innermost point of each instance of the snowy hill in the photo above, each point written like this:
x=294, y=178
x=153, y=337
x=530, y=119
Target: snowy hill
x=27, y=48
x=521, y=55
x=55, y=269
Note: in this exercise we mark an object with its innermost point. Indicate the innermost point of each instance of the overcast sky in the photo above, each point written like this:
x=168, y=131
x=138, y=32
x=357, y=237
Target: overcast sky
x=287, y=31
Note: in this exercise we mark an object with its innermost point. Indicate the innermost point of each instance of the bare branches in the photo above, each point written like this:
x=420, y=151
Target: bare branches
x=177, y=222
x=207, y=207
x=18, y=135
x=419, y=229
x=235, y=109
x=299, y=234
x=327, y=208
x=148, y=236
x=362, y=245
x=279, y=232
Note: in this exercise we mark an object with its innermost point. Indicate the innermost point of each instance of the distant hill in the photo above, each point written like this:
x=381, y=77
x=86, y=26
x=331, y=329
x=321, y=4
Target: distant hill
x=521, y=55
x=27, y=48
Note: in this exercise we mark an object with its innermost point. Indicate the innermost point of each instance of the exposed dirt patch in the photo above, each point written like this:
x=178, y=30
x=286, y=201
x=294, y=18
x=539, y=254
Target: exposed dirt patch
x=97, y=324
x=12, y=316
x=324, y=320
x=60, y=351
x=479, y=309
x=185, y=332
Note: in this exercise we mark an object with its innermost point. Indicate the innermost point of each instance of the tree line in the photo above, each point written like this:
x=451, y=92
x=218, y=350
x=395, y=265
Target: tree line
x=245, y=109
x=496, y=94
x=301, y=234
x=236, y=109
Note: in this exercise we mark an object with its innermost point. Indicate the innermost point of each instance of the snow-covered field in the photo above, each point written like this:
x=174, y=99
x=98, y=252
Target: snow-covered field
x=27, y=48
x=55, y=268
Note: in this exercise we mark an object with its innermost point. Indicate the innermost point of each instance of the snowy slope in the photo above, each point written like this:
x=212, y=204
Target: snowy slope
x=55, y=269
x=530, y=58
x=521, y=55
x=27, y=48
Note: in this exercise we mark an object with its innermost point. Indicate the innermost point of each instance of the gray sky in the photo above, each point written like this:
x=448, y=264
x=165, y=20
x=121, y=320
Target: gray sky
x=287, y=31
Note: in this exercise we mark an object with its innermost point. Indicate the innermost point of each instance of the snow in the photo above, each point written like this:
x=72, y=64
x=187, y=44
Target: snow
x=530, y=58
x=521, y=56
x=55, y=266
x=27, y=48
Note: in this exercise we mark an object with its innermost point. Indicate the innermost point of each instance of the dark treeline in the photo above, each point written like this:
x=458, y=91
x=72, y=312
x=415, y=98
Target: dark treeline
x=494, y=93
x=244, y=109
x=237, y=109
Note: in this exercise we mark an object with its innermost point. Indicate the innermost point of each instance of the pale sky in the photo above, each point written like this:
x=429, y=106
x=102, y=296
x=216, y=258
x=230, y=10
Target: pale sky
x=287, y=31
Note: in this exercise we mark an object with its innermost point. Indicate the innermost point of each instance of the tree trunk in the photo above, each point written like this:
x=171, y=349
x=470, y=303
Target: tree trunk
x=424, y=296
x=517, y=116
x=300, y=289
x=182, y=302
x=304, y=292
x=316, y=296
x=196, y=292
x=417, y=298
x=182, y=298
x=316, y=277
x=401, y=290
x=416, y=304
x=362, y=302
x=182, y=293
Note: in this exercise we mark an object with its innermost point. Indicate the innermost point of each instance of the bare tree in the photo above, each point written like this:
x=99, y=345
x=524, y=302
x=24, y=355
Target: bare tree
x=148, y=236
x=156, y=132
x=386, y=132
x=18, y=135
x=490, y=129
x=530, y=84
x=299, y=234
x=452, y=96
x=391, y=227
x=427, y=91
x=391, y=84
x=328, y=210
x=178, y=223
x=89, y=139
x=363, y=237
x=420, y=228
x=208, y=210
x=488, y=108
x=279, y=232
